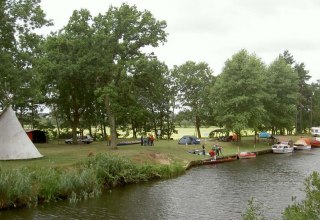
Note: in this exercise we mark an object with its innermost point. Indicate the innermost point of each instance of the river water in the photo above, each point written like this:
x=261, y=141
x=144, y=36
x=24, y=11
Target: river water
x=218, y=191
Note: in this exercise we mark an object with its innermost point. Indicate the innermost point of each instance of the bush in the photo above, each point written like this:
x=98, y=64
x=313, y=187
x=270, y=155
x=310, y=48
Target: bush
x=309, y=208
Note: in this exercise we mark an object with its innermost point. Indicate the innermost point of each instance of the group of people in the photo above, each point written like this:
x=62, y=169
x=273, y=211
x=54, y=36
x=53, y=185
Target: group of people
x=215, y=151
x=148, y=141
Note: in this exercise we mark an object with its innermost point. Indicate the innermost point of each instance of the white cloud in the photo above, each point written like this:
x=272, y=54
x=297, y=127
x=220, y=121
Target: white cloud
x=213, y=30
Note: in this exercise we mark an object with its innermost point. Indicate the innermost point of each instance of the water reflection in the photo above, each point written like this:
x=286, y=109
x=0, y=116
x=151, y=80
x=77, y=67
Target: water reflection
x=209, y=192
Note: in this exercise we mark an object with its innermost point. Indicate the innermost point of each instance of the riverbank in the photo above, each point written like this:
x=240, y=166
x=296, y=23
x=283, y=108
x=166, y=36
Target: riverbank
x=77, y=172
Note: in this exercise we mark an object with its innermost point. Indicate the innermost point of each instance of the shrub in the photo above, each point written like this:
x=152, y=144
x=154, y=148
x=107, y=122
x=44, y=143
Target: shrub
x=309, y=208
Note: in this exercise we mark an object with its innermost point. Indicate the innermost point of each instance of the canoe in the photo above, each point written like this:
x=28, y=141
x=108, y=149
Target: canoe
x=219, y=160
x=128, y=143
x=246, y=155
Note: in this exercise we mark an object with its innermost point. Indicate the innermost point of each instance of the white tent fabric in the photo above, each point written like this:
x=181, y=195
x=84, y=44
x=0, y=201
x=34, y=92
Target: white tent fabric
x=14, y=142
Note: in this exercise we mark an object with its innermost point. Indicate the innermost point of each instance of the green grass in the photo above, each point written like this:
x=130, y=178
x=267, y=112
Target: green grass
x=59, y=154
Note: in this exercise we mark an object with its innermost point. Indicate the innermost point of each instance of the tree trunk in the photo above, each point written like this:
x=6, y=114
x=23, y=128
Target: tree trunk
x=74, y=133
x=255, y=137
x=134, y=129
x=198, y=126
x=112, y=123
x=75, y=123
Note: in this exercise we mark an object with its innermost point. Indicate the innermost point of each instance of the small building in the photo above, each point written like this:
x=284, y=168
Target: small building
x=37, y=136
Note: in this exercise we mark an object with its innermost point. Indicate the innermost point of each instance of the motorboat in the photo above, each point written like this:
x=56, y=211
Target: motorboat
x=302, y=144
x=315, y=142
x=246, y=155
x=282, y=147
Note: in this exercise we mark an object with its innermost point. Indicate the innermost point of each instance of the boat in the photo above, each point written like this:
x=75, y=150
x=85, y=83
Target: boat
x=128, y=143
x=246, y=155
x=302, y=144
x=219, y=160
x=282, y=147
x=315, y=142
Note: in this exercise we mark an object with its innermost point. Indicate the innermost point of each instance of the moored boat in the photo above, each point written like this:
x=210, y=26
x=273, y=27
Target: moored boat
x=315, y=142
x=282, y=148
x=246, y=155
x=219, y=160
x=302, y=144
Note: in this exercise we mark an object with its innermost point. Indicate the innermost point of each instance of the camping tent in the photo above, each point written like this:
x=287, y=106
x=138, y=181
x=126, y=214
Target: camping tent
x=189, y=140
x=264, y=134
x=14, y=142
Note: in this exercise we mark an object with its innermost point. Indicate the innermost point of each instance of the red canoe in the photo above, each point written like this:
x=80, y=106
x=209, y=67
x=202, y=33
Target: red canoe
x=246, y=155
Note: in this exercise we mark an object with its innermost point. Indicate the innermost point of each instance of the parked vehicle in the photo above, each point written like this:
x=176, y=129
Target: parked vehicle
x=315, y=131
x=84, y=140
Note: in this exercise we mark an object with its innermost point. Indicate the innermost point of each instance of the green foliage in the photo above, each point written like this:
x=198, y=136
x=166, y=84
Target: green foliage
x=282, y=87
x=16, y=188
x=239, y=92
x=81, y=182
x=26, y=187
x=47, y=183
x=193, y=82
x=309, y=208
x=19, y=50
x=68, y=69
x=253, y=211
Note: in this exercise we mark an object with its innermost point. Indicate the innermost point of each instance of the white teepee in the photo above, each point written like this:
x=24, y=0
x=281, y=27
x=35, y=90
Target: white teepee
x=14, y=142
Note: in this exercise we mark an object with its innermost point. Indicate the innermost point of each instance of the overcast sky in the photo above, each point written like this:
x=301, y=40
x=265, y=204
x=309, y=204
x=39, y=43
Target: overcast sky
x=212, y=31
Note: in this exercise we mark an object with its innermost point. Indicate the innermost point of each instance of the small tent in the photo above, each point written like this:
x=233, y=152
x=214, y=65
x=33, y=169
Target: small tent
x=189, y=140
x=264, y=134
x=14, y=141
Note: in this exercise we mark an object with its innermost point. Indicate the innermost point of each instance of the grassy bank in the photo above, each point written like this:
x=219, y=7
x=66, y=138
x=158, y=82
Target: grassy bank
x=86, y=178
x=58, y=154
x=80, y=171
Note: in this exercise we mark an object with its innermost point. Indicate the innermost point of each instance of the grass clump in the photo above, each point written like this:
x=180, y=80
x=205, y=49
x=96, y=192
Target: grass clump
x=28, y=186
x=112, y=171
x=16, y=188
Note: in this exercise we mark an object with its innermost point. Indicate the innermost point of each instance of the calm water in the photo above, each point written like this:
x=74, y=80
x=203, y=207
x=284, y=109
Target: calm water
x=217, y=191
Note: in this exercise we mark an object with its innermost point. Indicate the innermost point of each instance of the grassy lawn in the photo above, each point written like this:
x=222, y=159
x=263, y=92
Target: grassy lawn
x=59, y=154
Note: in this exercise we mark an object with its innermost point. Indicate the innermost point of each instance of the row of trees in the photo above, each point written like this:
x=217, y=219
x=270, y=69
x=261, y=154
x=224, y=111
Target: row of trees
x=95, y=72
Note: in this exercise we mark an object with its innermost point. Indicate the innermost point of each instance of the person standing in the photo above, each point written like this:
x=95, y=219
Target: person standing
x=151, y=140
x=203, y=150
x=109, y=140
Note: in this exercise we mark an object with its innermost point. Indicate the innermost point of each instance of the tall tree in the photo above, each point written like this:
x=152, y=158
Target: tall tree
x=305, y=94
x=121, y=34
x=315, y=104
x=19, y=48
x=69, y=69
x=282, y=86
x=154, y=92
x=194, y=82
x=239, y=93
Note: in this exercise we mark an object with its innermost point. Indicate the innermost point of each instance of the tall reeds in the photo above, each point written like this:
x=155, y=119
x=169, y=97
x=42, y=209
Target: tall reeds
x=27, y=187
